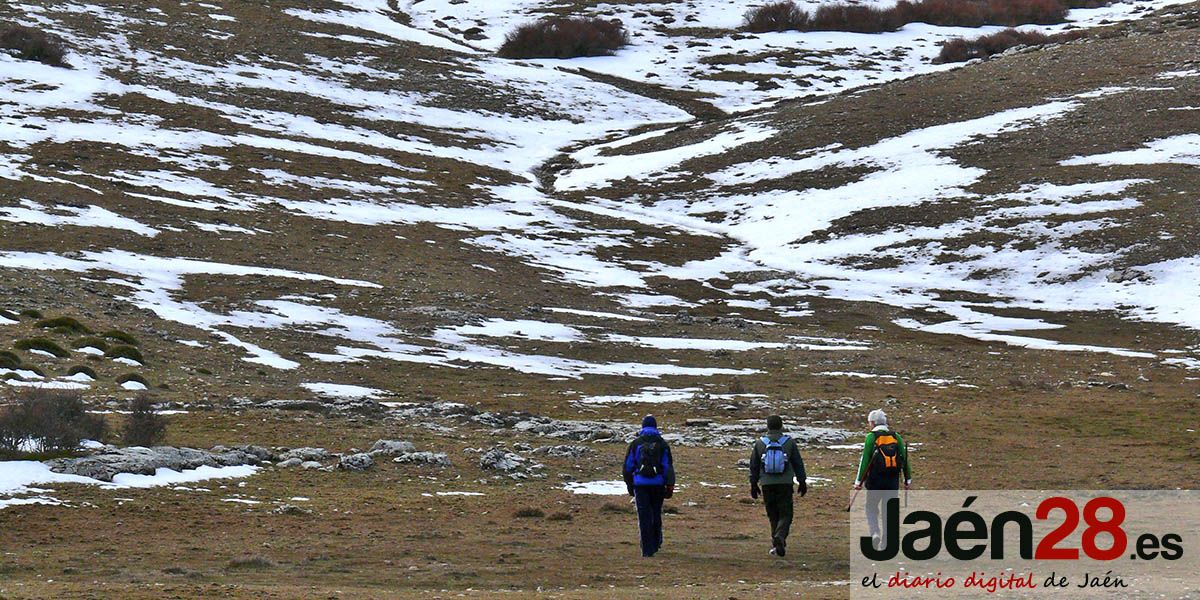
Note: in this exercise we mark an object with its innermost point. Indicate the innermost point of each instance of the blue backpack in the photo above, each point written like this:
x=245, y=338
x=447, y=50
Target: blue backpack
x=775, y=460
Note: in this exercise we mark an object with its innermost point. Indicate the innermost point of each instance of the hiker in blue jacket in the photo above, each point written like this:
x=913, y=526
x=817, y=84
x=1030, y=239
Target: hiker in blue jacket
x=650, y=477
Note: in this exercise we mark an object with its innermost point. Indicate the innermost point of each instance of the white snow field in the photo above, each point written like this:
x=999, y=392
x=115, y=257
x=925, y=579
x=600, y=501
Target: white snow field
x=21, y=480
x=391, y=137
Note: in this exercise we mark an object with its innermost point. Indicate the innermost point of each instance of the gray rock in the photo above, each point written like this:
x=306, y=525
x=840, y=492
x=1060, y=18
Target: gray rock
x=305, y=454
x=391, y=448
x=429, y=458
x=564, y=450
x=257, y=451
x=291, y=509
x=108, y=463
x=310, y=464
x=356, y=462
x=289, y=463
x=511, y=464
x=332, y=405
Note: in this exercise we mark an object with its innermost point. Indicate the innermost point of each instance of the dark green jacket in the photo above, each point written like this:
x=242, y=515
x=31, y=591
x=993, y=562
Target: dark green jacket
x=795, y=464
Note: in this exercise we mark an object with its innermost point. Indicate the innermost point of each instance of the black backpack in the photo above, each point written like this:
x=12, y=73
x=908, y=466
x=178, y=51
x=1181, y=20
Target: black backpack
x=887, y=454
x=650, y=453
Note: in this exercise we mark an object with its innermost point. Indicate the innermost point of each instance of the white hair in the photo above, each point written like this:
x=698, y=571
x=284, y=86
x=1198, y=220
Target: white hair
x=877, y=417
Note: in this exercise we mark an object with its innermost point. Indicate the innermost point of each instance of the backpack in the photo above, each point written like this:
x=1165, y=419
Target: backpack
x=887, y=453
x=774, y=459
x=649, y=458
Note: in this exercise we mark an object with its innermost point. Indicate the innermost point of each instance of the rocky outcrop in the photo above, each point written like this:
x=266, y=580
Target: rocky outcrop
x=356, y=462
x=391, y=448
x=111, y=461
x=699, y=432
x=424, y=458
x=510, y=463
x=564, y=451
x=364, y=406
x=304, y=454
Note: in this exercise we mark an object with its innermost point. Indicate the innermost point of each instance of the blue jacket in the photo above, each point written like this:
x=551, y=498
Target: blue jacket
x=666, y=474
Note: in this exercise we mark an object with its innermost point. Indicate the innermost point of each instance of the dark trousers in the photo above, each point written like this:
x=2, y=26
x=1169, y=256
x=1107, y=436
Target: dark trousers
x=778, y=500
x=649, y=507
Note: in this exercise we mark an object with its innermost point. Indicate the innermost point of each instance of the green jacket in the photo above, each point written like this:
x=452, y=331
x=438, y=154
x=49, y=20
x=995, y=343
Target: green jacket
x=869, y=451
x=793, y=470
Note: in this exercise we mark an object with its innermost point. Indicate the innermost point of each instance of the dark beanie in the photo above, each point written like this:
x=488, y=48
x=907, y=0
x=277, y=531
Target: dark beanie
x=774, y=423
x=650, y=422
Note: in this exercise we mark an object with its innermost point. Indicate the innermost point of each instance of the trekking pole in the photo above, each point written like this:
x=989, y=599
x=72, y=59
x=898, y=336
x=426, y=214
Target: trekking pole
x=863, y=481
x=852, y=499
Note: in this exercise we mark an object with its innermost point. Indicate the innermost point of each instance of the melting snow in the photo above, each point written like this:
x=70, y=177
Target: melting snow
x=18, y=478
x=336, y=390
x=599, y=488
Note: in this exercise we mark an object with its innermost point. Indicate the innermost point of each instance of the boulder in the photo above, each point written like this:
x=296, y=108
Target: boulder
x=429, y=458
x=108, y=463
x=291, y=509
x=564, y=450
x=356, y=462
x=391, y=448
x=512, y=464
x=305, y=454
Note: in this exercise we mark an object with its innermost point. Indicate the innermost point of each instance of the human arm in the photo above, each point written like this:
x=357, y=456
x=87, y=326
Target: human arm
x=798, y=468
x=865, y=462
x=627, y=470
x=668, y=467
x=755, y=466
x=903, y=451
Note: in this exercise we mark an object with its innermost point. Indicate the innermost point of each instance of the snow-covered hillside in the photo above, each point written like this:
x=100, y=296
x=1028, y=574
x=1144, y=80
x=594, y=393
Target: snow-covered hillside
x=320, y=186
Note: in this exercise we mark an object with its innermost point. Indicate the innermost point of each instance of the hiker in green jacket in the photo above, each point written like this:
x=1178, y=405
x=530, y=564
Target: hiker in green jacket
x=774, y=463
x=884, y=459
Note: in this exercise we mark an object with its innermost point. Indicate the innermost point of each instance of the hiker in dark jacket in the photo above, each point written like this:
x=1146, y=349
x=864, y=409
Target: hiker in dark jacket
x=650, y=477
x=774, y=463
x=884, y=460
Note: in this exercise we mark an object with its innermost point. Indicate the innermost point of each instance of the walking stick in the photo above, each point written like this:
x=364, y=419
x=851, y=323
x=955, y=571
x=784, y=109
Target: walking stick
x=870, y=464
x=852, y=499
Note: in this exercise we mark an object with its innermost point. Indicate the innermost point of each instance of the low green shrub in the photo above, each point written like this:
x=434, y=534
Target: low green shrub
x=120, y=336
x=42, y=344
x=65, y=325
x=126, y=378
x=124, y=352
x=77, y=369
x=91, y=341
